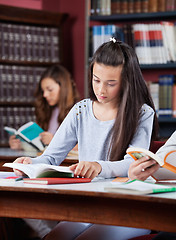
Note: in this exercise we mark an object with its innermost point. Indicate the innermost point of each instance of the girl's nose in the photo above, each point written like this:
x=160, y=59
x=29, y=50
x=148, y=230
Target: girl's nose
x=44, y=94
x=102, y=89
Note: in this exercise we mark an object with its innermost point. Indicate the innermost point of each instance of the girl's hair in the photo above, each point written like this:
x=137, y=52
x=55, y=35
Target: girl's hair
x=132, y=95
x=68, y=96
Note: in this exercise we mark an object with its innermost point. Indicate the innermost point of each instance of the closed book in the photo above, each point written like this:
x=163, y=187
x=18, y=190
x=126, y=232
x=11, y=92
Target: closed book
x=144, y=6
x=115, y=6
x=153, y=5
x=48, y=181
x=161, y=5
x=138, y=187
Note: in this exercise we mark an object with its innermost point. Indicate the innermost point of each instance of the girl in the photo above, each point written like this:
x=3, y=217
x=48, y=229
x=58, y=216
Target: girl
x=119, y=114
x=55, y=95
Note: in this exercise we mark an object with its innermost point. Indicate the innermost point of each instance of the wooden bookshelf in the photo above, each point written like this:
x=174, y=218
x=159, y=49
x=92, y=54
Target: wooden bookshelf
x=31, y=41
x=150, y=71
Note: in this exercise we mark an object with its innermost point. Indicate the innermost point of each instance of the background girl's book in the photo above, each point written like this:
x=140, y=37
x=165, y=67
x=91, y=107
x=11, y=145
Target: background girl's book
x=42, y=170
x=167, y=171
x=29, y=132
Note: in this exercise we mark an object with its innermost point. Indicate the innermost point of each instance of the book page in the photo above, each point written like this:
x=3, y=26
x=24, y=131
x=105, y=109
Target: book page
x=137, y=152
x=33, y=170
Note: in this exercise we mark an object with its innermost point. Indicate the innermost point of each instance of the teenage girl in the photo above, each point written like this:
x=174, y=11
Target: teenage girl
x=55, y=95
x=118, y=114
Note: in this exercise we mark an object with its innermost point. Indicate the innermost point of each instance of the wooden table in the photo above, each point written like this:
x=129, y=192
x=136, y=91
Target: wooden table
x=88, y=203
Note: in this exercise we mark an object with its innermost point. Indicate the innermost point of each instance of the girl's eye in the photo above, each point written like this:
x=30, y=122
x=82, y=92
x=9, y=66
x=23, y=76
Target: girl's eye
x=96, y=80
x=111, y=85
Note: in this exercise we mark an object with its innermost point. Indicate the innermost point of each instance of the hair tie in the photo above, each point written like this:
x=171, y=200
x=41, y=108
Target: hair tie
x=112, y=39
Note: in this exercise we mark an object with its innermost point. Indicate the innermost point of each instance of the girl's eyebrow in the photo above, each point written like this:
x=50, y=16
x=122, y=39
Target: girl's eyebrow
x=113, y=80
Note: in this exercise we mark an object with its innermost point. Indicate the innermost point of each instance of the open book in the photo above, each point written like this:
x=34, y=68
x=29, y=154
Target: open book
x=29, y=132
x=41, y=170
x=168, y=163
x=138, y=187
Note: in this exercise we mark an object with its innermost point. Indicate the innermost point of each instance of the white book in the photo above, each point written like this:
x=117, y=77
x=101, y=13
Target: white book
x=41, y=170
x=138, y=187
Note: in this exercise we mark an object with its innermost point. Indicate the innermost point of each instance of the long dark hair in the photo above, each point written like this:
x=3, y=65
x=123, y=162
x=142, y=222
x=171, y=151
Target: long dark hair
x=68, y=96
x=133, y=94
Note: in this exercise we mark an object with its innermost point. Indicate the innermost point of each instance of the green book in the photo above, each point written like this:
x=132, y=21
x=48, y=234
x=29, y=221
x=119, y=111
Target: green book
x=138, y=187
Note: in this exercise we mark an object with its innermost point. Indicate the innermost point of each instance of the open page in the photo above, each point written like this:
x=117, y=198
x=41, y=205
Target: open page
x=35, y=170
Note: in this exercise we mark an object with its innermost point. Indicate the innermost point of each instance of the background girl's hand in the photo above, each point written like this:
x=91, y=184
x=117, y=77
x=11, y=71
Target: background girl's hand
x=142, y=168
x=15, y=143
x=24, y=160
x=46, y=137
x=86, y=169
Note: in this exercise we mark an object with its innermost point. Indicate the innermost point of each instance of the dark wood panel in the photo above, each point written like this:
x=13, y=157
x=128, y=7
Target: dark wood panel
x=30, y=16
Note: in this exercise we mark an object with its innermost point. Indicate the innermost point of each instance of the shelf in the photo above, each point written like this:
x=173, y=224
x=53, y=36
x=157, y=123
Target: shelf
x=158, y=66
x=5, y=103
x=135, y=17
x=27, y=63
x=166, y=120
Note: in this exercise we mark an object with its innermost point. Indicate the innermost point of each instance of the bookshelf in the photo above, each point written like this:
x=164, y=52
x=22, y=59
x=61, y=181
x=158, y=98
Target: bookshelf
x=150, y=71
x=31, y=41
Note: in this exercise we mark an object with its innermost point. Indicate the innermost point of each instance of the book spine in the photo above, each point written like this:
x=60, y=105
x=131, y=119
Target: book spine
x=153, y=5
x=144, y=6
x=124, y=7
x=115, y=6
x=137, y=6
x=161, y=5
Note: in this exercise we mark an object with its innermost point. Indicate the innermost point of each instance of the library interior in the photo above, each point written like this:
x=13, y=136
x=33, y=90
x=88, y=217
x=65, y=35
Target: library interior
x=38, y=34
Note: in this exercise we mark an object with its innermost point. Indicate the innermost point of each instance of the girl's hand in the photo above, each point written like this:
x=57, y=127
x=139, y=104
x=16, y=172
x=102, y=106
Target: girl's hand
x=24, y=160
x=142, y=168
x=46, y=137
x=15, y=143
x=86, y=169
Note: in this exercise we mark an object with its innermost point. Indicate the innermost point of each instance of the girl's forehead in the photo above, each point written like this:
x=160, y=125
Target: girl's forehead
x=107, y=72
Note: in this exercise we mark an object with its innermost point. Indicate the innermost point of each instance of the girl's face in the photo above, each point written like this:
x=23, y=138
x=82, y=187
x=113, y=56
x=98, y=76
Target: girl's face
x=106, y=83
x=51, y=91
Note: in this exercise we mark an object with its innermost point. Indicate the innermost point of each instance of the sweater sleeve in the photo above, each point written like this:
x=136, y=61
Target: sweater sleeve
x=142, y=139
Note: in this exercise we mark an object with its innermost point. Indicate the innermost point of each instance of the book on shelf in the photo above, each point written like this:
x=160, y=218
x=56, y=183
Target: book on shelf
x=42, y=170
x=167, y=170
x=30, y=133
x=166, y=83
x=138, y=187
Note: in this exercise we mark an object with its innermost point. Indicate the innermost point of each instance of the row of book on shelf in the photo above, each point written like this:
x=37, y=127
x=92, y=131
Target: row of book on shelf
x=18, y=83
x=29, y=43
x=154, y=43
x=14, y=116
x=108, y=7
x=164, y=95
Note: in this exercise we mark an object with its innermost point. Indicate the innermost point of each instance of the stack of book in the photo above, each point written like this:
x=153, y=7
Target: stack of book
x=29, y=43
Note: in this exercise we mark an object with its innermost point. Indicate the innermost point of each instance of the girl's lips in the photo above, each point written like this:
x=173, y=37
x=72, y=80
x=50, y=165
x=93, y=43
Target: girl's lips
x=101, y=97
